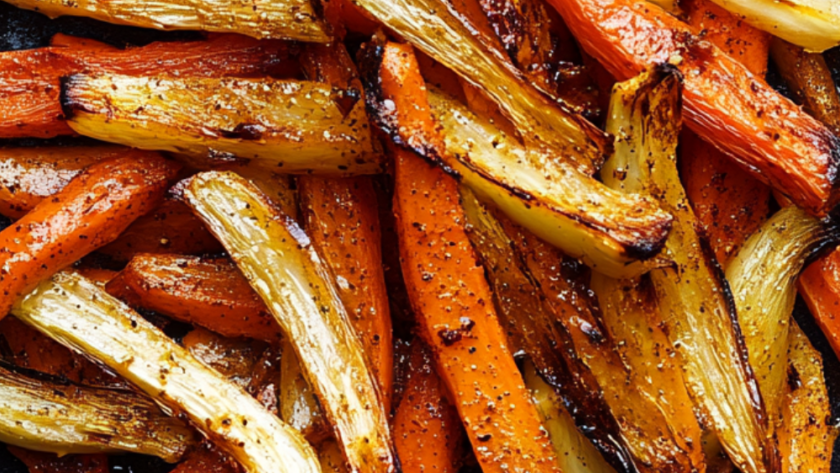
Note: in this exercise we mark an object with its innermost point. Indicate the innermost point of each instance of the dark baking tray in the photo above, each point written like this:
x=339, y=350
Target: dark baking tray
x=21, y=29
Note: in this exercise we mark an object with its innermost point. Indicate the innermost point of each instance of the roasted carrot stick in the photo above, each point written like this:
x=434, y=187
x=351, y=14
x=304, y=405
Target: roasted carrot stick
x=38, y=462
x=211, y=293
x=728, y=201
x=819, y=285
x=450, y=296
x=724, y=103
x=29, y=80
x=426, y=430
x=341, y=216
x=29, y=175
x=88, y=213
x=171, y=228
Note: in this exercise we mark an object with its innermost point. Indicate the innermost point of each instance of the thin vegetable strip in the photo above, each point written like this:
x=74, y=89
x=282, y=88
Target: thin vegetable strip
x=279, y=261
x=75, y=312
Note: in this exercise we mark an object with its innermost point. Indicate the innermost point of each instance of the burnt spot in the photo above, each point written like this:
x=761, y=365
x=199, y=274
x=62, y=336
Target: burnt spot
x=450, y=337
x=69, y=106
x=244, y=131
x=794, y=381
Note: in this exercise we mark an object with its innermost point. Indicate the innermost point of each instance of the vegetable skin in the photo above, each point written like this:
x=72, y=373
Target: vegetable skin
x=91, y=211
x=282, y=266
x=693, y=295
x=427, y=431
x=289, y=19
x=298, y=404
x=451, y=298
x=211, y=293
x=740, y=114
x=297, y=125
x=48, y=415
x=135, y=349
x=30, y=79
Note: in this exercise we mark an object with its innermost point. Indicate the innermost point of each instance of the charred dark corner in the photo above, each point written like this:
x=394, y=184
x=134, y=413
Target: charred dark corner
x=69, y=106
x=346, y=99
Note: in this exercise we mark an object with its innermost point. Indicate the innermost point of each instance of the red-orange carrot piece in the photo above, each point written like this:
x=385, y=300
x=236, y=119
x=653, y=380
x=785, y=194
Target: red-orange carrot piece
x=87, y=214
x=211, y=293
x=341, y=216
x=38, y=462
x=29, y=80
x=207, y=459
x=426, y=431
x=729, y=202
x=819, y=285
x=725, y=104
x=29, y=175
x=450, y=296
x=34, y=350
x=171, y=228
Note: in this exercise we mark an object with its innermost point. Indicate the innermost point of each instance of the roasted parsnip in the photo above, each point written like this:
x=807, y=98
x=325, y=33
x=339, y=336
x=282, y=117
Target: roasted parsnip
x=725, y=104
x=696, y=304
x=108, y=331
x=208, y=292
x=287, y=19
x=810, y=81
x=434, y=27
x=297, y=125
x=575, y=452
x=279, y=261
x=48, y=415
x=763, y=281
x=30, y=79
x=811, y=24
x=807, y=435
x=28, y=175
x=91, y=211
x=298, y=404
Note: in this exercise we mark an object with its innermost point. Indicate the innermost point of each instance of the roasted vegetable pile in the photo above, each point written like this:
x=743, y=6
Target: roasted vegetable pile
x=416, y=236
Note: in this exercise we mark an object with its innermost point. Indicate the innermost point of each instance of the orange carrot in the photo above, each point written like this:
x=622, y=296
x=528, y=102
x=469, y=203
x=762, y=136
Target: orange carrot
x=725, y=104
x=341, y=216
x=29, y=175
x=38, y=462
x=819, y=285
x=211, y=293
x=426, y=431
x=88, y=213
x=29, y=80
x=729, y=202
x=171, y=228
x=450, y=295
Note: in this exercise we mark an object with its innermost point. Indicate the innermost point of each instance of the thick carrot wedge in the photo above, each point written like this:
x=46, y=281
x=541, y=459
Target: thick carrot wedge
x=29, y=80
x=724, y=103
x=728, y=201
x=211, y=293
x=426, y=430
x=88, y=213
x=452, y=299
x=341, y=216
x=28, y=175
x=171, y=228
x=38, y=462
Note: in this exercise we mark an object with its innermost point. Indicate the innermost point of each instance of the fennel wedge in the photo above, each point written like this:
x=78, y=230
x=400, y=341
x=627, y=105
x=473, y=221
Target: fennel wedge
x=283, y=268
x=82, y=316
x=696, y=304
x=609, y=231
x=437, y=29
x=285, y=19
x=772, y=258
x=298, y=126
x=51, y=415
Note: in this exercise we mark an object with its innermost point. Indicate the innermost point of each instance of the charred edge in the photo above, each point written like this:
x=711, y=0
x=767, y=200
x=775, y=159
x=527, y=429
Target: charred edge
x=369, y=59
x=749, y=375
x=833, y=170
x=245, y=132
x=345, y=99
x=643, y=248
x=32, y=375
x=794, y=381
x=68, y=105
x=826, y=242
